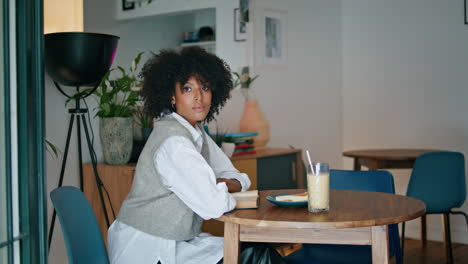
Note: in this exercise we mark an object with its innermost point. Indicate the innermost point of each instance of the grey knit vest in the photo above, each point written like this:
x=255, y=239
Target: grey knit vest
x=151, y=207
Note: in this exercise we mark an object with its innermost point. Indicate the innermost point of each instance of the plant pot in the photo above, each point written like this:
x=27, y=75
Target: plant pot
x=146, y=132
x=116, y=135
x=253, y=120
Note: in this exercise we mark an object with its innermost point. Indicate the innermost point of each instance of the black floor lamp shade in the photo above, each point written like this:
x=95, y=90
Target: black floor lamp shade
x=79, y=58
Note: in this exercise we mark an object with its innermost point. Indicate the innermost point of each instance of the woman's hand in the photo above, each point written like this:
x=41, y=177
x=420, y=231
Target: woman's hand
x=232, y=184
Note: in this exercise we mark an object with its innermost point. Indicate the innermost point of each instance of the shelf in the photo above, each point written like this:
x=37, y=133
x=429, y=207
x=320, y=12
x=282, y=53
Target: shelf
x=163, y=7
x=199, y=43
x=209, y=46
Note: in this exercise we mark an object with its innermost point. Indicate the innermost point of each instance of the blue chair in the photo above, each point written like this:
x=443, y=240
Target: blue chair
x=438, y=179
x=377, y=181
x=83, y=238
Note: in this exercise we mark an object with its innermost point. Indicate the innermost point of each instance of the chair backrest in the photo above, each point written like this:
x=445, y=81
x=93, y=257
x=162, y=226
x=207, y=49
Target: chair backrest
x=375, y=181
x=80, y=229
x=438, y=179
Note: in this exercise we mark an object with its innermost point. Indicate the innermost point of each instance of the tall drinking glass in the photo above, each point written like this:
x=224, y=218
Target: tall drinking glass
x=318, y=187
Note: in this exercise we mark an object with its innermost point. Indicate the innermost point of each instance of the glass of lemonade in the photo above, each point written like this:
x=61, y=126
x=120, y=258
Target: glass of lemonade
x=318, y=187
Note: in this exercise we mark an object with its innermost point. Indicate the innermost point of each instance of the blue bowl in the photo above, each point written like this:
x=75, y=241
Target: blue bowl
x=272, y=199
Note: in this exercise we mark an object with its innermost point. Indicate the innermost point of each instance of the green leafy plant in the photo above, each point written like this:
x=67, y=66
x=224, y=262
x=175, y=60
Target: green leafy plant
x=52, y=149
x=117, y=97
x=218, y=139
x=244, y=81
x=220, y=136
x=142, y=119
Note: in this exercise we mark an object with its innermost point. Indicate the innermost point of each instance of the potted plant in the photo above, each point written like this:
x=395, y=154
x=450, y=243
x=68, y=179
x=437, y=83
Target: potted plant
x=52, y=149
x=244, y=81
x=144, y=121
x=117, y=99
x=252, y=119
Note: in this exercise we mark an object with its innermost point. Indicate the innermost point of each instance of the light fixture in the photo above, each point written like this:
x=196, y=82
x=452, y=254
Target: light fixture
x=79, y=59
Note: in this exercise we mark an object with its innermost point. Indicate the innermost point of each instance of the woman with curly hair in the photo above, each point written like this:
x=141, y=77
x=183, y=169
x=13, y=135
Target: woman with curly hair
x=182, y=177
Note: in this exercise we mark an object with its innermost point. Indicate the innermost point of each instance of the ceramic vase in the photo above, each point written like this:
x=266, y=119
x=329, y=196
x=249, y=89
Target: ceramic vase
x=253, y=120
x=116, y=135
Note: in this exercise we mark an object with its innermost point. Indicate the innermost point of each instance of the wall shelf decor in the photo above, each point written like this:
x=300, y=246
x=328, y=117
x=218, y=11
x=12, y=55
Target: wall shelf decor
x=466, y=15
x=274, y=37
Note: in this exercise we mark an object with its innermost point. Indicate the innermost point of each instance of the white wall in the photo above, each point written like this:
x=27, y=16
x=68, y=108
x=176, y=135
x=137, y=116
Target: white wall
x=204, y=18
x=235, y=54
x=404, y=83
x=302, y=98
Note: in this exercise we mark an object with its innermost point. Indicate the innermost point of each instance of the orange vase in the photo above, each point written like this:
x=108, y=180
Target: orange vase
x=253, y=120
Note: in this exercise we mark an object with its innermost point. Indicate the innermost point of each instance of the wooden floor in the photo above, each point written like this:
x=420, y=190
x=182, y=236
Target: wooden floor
x=434, y=252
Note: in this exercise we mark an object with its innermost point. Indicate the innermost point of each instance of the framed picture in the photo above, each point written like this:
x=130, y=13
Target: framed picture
x=240, y=27
x=466, y=11
x=274, y=25
x=244, y=10
x=128, y=5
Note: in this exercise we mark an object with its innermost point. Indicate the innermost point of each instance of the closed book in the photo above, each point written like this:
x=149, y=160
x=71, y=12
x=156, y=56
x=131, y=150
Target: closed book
x=243, y=153
x=246, y=200
x=240, y=141
x=243, y=149
x=241, y=146
x=241, y=134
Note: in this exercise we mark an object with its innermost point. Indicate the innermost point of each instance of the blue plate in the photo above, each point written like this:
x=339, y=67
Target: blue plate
x=239, y=135
x=272, y=199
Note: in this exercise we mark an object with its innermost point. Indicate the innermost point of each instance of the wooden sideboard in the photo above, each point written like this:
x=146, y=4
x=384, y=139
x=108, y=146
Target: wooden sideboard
x=268, y=169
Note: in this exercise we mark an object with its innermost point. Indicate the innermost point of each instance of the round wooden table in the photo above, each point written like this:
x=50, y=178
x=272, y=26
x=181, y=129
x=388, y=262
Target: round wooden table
x=355, y=217
x=376, y=159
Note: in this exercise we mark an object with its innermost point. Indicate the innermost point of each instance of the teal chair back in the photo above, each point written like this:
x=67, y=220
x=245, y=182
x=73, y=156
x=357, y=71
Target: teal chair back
x=80, y=229
x=438, y=179
x=376, y=181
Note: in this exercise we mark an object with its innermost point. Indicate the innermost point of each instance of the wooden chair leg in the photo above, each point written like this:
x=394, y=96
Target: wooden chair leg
x=423, y=231
x=403, y=240
x=447, y=238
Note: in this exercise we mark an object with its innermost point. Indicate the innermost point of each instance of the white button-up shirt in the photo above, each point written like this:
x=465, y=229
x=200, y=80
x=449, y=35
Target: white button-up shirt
x=180, y=164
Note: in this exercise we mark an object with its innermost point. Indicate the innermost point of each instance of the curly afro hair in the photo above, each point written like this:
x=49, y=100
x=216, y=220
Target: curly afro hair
x=162, y=71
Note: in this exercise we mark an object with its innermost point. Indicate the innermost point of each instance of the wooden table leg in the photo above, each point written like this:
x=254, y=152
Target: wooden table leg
x=231, y=243
x=357, y=166
x=380, y=254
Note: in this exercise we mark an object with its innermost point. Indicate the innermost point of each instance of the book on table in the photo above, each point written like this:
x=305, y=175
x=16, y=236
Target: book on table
x=241, y=141
x=243, y=153
x=243, y=149
x=243, y=146
x=246, y=200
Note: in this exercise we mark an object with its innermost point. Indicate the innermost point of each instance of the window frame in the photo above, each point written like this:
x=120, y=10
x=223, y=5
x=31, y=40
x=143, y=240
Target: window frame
x=27, y=149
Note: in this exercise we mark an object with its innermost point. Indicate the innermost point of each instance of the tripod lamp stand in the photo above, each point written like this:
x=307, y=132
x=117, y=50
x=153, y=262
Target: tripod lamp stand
x=79, y=59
